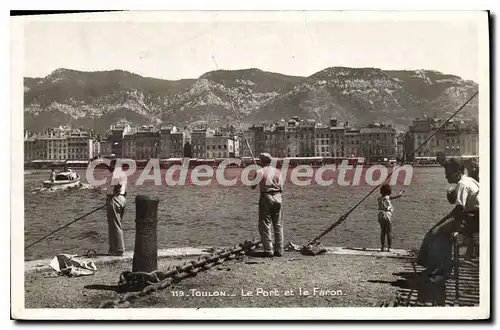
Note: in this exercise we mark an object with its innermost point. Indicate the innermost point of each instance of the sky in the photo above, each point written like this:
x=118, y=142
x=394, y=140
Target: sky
x=178, y=49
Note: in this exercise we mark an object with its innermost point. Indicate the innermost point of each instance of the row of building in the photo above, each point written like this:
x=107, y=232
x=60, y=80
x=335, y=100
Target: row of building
x=455, y=138
x=295, y=138
x=169, y=142
x=61, y=143
x=306, y=138
x=292, y=138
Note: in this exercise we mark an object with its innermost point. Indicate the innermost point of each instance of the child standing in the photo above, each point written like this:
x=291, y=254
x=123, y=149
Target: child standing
x=385, y=214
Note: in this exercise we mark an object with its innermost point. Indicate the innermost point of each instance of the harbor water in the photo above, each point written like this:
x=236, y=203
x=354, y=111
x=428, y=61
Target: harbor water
x=217, y=215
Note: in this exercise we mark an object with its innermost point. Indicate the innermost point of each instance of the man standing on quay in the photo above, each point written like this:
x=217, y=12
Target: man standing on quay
x=271, y=187
x=116, y=193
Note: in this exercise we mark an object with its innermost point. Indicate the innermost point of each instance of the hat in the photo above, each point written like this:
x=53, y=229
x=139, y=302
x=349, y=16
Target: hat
x=265, y=157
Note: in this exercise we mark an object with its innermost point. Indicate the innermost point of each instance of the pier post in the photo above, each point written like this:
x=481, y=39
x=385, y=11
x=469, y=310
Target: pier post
x=146, y=247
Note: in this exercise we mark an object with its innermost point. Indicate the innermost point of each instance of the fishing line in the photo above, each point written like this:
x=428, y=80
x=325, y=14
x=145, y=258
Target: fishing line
x=345, y=215
x=66, y=225
x=239, y=121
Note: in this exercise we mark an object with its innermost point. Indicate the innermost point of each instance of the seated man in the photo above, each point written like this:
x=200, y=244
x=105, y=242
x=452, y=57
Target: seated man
x=473, y=169
x=437, y=245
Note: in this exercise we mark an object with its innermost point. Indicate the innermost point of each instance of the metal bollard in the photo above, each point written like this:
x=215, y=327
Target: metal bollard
x=146, y=247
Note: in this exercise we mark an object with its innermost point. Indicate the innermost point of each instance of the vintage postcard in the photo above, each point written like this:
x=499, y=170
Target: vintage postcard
x=251, y=165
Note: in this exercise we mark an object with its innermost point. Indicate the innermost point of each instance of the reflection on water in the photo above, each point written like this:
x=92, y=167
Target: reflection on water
x=219, y=216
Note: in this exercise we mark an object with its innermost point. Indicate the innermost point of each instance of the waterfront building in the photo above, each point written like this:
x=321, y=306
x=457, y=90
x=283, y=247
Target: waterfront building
x=352, y=138
x=177, y=140
x=60, y=144
x=378, y=142
x=218, y=145
x=456, y=138
x=280, y=144
x=400, y=145
x=260, y=139
x=199, y=142
x=115, y=138
x=420, y=130
x=250, y=139
x=307, y=137
x=293, y=138
x=165, y=141
x=147, y=143
x=337, y=138
x=322, y=141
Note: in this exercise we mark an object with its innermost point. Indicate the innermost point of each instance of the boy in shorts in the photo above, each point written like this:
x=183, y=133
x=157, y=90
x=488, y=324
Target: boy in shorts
x=386, y=215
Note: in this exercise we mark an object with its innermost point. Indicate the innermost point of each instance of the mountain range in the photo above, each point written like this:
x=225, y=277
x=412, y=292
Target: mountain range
x=359, y=96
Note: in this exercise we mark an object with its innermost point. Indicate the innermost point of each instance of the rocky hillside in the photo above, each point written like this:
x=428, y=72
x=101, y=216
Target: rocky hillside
x=360, y=96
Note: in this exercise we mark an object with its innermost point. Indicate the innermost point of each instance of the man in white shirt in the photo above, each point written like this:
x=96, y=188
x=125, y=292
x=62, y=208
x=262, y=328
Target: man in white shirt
x=437, y=245
x=116, y=192
x=467, y=202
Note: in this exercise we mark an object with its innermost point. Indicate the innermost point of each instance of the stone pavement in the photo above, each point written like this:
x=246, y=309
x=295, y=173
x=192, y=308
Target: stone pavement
x=42, y=265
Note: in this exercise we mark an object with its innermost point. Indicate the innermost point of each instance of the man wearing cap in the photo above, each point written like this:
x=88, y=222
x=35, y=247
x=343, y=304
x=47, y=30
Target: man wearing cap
x=271, y=187
x=116, y=192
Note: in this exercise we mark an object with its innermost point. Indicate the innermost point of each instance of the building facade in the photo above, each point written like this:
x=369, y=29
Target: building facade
x=165, y=142
x=80, y=146
x=352, y=138
x=322, y=141
x=307, y=137
x=115, y=138
x=293, y=137
x=129, y=146
x=177, y=141
x=420, y=130
x=219, y=146
x=147, y=143
x=280, y=143
x=60, y=145
x=249, y=138
x=199, y=143
x=378, y=143
x=456, y=138
x=469, y=139
x=337, y=141
x=260, y=139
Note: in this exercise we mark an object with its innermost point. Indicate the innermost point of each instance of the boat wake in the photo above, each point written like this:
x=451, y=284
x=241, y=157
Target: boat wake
x=81, y=186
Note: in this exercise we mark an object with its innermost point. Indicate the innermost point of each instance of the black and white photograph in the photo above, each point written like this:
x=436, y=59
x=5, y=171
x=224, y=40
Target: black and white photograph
x=231, y=165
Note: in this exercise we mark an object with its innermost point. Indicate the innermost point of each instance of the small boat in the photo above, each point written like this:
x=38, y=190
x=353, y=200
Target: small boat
x=63, y=180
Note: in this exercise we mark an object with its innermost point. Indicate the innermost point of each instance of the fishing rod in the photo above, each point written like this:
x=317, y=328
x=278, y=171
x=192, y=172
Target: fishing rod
x=345, y=215
x=66, y=225
x=239, y=121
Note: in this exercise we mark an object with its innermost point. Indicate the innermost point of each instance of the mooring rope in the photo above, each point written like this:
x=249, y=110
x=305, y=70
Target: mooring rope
x=345, y=215
x=66, y=225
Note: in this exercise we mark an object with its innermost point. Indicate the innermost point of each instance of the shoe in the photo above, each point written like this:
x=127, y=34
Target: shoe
x=262, y=254
x=267, y=254
x=116, y=254
x=278, y=254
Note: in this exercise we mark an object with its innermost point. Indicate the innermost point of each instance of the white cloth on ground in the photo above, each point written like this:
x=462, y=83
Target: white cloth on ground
x=67, y=265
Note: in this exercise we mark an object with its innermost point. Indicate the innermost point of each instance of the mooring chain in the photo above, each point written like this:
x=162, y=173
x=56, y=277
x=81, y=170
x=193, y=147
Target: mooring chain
x=140, y=284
